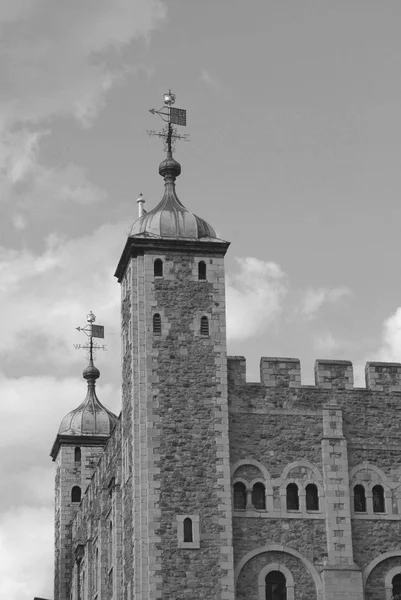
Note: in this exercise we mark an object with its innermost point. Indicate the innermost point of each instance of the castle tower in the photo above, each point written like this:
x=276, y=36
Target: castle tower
x=79, y=444
x=176, y=489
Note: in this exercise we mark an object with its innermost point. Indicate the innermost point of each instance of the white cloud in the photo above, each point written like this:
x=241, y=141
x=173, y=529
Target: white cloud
x=26, y=533
x=254, y=297
x=326, y=344
x=315, y=298
x=390, y=349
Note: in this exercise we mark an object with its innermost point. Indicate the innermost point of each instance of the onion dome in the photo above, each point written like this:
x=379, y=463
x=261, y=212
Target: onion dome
x=170, y=218
x=91, y=417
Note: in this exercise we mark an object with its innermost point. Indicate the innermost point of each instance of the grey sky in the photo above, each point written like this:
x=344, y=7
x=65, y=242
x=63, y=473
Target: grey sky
x=294, y=117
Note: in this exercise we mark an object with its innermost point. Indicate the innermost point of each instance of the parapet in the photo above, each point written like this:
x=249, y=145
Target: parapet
x=329, y=374
x=382, y=377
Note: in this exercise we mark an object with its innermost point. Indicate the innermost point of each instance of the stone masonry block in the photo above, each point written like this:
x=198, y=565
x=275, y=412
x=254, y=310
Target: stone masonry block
x=280, y=372
x=236, y=370
x=334, y=374
x=381, y=376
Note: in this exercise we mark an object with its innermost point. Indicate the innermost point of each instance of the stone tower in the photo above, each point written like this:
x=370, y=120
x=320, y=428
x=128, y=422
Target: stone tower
x=78, y=446
x=176, y=494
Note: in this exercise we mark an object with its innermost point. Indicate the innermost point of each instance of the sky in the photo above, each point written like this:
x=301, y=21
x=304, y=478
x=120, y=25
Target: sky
x=293, y=111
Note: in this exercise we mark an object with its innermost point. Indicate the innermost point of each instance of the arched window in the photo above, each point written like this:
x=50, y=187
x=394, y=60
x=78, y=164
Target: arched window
x=157, y=323
x=188, y=537
x=276, y=585
x=396, y=583
x=76, y=494
x=204, y=326
x=77, y=455
x=202, y=270
x=312, y=497
x=292, y=497
x=239, y=495
x=259, y=496
x=359, y=499
x=158, y=268
x=378, y=499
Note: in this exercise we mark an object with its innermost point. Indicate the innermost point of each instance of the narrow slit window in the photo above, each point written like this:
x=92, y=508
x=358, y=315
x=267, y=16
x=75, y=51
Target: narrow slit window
x=292, y=497
x=158, y=268
x=276, y=586
x=359, y=499
x=202, y=270
x=204, y=326
x=188, y=535
x=239, y=495
x=378, y=499
x=157, y=323
x=259, y=496
x=76, y=494
x=77, y=455
x=312, y=497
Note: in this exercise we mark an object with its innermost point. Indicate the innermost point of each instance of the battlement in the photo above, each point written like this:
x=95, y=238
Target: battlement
x=329, y=374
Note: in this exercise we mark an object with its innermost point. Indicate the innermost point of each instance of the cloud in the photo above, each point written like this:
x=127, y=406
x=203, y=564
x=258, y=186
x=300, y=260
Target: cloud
x=26, y=533
x=254, y=297
x=46, y=295
x=390, y=348
x=56, y=57
x=326, y=344
x=315, y=298
x=207, y=79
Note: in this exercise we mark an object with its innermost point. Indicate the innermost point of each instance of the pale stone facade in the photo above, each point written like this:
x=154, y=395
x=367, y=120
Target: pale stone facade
x=316, y=469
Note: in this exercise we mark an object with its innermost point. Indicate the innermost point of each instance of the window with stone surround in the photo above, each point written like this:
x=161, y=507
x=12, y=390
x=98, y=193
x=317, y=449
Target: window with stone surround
x=76, y=494
x=359, y=498
x=259, y=496
x=77, y=455
x=292, y=497
x=204, y=326
x=239, y=495
x=202, y=270
x=157, y=323
x=158, y=267
x=378, y=499
x=311, y=497
x=188, y=534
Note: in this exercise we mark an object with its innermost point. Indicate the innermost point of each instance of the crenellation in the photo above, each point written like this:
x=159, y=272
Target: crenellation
x=383, y=376
x=280, y=372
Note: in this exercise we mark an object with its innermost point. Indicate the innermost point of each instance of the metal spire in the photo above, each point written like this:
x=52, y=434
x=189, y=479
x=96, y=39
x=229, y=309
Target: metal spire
x=91, y=331
x=171, y=116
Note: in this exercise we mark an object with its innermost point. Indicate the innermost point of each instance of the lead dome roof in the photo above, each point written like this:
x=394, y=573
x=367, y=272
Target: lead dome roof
x=170, y=218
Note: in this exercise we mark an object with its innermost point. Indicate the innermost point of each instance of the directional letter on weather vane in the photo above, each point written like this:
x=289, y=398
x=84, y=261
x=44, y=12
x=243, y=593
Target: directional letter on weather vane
x=171, y=116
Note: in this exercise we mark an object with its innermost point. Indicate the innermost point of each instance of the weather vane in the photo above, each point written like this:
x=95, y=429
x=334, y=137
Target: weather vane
x=91, y=331
x=172, y=116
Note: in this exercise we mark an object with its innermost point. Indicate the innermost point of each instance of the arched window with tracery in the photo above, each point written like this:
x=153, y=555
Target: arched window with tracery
x=378, y=499
x=239, y=495
x=276, y=586
x=77, y=455
x=202, y=270
x=312, y=497
x=204, y=326
x=158, y=267
x=292, y=497
x=157, y=323
x=76, y=494
x=359, y=498
x=188, y=534
x=259, y=496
